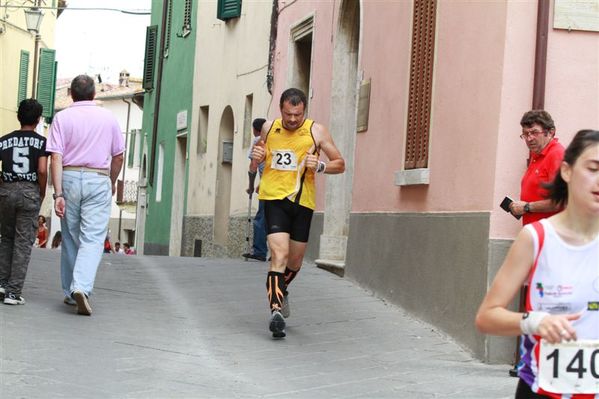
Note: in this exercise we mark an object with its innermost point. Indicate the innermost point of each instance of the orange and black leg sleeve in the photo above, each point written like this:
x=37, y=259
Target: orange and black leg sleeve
x=275, y=288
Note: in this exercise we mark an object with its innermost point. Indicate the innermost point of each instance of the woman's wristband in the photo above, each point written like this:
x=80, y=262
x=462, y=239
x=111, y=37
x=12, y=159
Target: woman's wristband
x=530, y=322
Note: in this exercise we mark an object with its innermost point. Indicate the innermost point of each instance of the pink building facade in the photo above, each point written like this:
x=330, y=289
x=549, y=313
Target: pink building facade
x=429, y=239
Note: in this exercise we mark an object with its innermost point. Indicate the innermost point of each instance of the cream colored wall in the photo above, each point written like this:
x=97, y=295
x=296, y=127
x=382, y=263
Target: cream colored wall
x=14, y=39
x=231, y=63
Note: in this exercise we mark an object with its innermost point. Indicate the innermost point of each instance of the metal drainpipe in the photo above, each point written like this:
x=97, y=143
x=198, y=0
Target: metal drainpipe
x=538, y=91
x=158, y=88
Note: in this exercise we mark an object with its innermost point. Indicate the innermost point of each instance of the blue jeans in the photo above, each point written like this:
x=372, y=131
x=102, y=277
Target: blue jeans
x=259, y=244
x=88, y=198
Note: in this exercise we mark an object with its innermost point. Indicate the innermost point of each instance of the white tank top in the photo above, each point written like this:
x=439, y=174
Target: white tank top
x=564, y=279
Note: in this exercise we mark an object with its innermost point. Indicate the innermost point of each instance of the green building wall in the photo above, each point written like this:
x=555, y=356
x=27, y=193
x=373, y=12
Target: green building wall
x=176, y=96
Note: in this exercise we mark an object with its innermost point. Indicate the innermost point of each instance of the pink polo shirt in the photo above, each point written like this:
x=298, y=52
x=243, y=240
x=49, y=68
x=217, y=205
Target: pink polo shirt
x=86, y=135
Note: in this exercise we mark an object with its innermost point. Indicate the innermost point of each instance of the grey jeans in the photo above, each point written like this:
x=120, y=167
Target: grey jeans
x=19, y=208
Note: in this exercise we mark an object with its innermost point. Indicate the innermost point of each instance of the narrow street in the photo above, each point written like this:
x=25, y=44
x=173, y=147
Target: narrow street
x=197, y=328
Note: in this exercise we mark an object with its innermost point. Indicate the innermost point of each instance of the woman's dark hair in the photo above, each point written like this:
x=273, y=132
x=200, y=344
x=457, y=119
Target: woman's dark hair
x=83, y=88
x=57, y=239
x=294, y=97
x=43, y=218
x=29, y=111
x=558, y=189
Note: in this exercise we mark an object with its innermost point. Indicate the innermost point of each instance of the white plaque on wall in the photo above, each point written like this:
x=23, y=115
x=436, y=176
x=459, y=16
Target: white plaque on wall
x=576, y=15
x=182, y=120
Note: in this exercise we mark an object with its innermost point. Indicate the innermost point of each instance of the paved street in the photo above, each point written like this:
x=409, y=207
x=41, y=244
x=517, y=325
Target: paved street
x=197, y=328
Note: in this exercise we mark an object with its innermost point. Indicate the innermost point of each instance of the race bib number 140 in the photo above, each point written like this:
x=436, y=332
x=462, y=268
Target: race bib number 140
x=569, y=367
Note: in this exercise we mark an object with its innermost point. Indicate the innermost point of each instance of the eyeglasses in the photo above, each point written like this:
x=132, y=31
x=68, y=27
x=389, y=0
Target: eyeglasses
x=533, y=133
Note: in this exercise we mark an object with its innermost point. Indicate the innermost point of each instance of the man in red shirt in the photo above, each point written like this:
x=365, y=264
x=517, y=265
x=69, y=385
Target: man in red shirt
x=546, y=155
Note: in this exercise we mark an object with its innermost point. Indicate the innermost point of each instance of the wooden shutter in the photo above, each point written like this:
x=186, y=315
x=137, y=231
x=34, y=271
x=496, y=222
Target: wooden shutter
x=131, y=149
x=187, y=16
x=23, y=76
x=421, y=77
x=150, y=57
x=46, y=84
x=228, y=9
x=169, y=22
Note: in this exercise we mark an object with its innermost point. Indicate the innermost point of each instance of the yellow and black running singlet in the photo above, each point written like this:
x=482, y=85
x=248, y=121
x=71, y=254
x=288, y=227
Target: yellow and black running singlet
x=285, y=174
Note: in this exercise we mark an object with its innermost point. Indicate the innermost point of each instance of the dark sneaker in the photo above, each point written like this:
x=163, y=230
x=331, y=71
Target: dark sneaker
x=277, y=325
x=285, y=310
x=83, y=307
x=69, y=301
x=13, y=299
x=252, y=256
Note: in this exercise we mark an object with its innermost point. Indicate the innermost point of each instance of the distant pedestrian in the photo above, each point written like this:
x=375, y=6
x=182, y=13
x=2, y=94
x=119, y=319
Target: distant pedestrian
x=117, y=248
x=107, y=245
x=87, y=155
x=259, y=248
x=42, y=232
x=23, y=188
x=56, y=240
x=129, y=250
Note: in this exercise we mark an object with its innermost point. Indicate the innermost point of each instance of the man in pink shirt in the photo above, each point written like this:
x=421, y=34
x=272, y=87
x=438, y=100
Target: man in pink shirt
x=87, y=155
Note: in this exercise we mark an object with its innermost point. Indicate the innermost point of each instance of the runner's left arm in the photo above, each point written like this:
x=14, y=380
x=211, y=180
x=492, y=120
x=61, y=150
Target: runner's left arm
x=336, y=163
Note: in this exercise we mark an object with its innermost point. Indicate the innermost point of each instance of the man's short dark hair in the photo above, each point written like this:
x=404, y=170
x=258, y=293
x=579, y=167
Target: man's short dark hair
x=538, y=116
x=258, y=123
x=294, y=97
x=29, y=112
x=83, y=88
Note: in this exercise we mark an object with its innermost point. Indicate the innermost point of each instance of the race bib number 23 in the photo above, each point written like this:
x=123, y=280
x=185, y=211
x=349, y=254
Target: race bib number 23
x=284, y=160
x=569, y=367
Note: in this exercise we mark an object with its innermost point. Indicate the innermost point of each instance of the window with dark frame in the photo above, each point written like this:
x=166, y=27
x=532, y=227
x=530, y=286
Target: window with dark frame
x=420, y=90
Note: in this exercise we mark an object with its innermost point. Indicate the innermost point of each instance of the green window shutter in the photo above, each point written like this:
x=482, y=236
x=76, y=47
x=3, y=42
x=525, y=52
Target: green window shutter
x=46, y=84
x=150, y=57
x=228, y=9
x=23, y=76
x=131, y=148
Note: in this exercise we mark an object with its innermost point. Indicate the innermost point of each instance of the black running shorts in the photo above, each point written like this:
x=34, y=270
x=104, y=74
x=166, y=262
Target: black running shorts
x=284, y=216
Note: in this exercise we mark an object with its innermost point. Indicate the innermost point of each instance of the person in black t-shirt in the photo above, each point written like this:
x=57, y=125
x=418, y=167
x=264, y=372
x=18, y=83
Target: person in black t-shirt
x=22, y=189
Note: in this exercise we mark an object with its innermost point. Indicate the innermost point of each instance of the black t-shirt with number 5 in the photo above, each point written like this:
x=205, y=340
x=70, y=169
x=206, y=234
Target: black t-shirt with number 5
x=20, y=152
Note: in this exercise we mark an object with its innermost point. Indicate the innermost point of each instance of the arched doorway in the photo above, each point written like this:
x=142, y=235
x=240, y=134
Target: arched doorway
x=345, y=86
x=223, y=177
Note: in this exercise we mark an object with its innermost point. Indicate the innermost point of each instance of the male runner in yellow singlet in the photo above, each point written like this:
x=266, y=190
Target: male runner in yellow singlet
x=290, y=148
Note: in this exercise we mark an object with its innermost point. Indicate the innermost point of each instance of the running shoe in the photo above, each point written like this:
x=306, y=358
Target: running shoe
x=277, y=325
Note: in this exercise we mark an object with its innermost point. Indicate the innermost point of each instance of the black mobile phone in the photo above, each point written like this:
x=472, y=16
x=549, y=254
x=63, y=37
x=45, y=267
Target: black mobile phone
x=505, y=205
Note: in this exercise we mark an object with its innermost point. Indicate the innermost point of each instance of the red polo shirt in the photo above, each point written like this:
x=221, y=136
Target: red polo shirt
x=542, y=169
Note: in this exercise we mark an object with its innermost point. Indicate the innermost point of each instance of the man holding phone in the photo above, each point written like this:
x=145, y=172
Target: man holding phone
x=546, y=155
